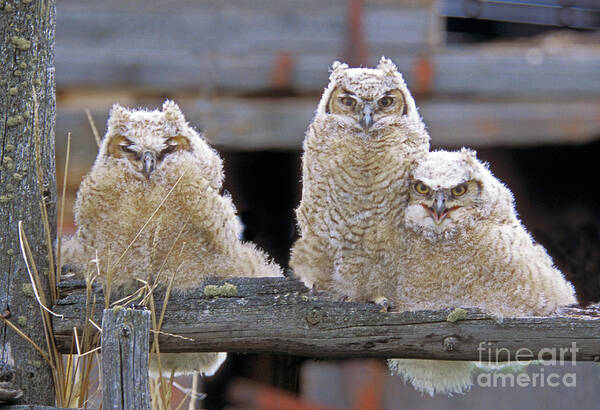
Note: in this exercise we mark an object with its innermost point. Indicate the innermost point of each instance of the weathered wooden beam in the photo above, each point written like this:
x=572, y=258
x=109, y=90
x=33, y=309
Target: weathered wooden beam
x=26, y=141
x=578, y=14
x=258, y=124
x=514, y=70
x=232, y=47
x=278, y=315
x=125, y=339
x=226, y=46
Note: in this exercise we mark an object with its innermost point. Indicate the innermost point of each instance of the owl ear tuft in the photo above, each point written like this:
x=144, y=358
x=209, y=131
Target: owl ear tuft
x=470, y=158
x=338, y=66
x=118, y=112
x=172, y=111
x=469, y=154
x=336, y=69
x=117, y=116
x=387, y=66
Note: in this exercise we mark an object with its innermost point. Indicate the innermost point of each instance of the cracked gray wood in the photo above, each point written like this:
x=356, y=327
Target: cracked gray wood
x=125, y=338
x=278, y=315
x=26, y=61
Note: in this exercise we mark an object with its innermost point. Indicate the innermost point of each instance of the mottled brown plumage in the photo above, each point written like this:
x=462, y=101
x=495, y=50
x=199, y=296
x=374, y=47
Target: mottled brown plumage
x=364, y=139
x=151, y=208
x=467, y=248
x=366, y=233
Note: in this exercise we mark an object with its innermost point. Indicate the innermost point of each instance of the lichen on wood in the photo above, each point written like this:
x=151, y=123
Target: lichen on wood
x=27, y=42
x=125, y=340
x=279, y=315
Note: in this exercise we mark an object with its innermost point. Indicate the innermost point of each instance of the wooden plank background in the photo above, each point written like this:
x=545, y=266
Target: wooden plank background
x=211, y=56
x=225, y=46
x=263, y=123
x=250, y=73
x=232, y=47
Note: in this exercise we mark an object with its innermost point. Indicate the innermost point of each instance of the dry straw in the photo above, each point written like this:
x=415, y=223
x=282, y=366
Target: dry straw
x=74, y=374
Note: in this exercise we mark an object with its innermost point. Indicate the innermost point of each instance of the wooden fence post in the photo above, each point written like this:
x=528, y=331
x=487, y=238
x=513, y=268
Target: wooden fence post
x=27, y=177
x=125, y=343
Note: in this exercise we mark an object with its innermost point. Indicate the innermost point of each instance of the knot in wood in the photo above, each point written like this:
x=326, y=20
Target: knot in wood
x=125, y=331
x=7, y=375
x=314, y=316
x=450, y=343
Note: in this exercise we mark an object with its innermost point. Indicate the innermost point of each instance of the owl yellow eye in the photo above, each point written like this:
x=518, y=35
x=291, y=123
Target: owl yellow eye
x=421, y=188
x=385, y=102
x=459, y=190
x=348, y=101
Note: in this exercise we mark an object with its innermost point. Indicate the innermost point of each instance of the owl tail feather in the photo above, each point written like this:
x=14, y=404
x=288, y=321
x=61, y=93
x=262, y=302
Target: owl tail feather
x=72, y=252
x=434, y=376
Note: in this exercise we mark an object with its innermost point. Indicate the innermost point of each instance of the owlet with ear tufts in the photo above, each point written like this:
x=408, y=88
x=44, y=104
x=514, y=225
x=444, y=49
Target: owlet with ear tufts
x=359, y=149
x=467, y=248
x=151, y=209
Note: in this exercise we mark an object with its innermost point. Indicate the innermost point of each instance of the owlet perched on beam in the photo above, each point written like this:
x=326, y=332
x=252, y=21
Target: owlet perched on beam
x=359, y=149
x=467, y=248
x=151, y=208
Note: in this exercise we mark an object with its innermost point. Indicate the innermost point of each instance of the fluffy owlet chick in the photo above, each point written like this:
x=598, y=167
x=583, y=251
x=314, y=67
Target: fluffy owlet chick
x=151, y=207
x=365, y=137
x=467, y=248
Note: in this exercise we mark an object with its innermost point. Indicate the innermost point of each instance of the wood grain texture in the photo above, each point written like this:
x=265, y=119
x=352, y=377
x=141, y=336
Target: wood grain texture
x=26, y=61
x=125, y=339
x=279, y=315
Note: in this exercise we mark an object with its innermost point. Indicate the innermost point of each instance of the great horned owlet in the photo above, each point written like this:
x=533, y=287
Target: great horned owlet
x=365, y=137
x=151, y=207
x=466, y=247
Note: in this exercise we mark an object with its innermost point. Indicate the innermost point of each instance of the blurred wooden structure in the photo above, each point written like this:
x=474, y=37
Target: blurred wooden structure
x=250, y=73
x=571, y=13
x=231, y=47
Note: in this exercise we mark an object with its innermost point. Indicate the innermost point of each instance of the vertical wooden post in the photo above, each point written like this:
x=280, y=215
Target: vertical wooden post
x=26, y=64
x=357, y=54
x=125, y=344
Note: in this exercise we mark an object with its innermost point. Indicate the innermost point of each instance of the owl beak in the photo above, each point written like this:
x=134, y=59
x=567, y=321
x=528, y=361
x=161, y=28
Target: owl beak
x=366, y=120
x=438, y=211
x=149, y=162
x=439, y=204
